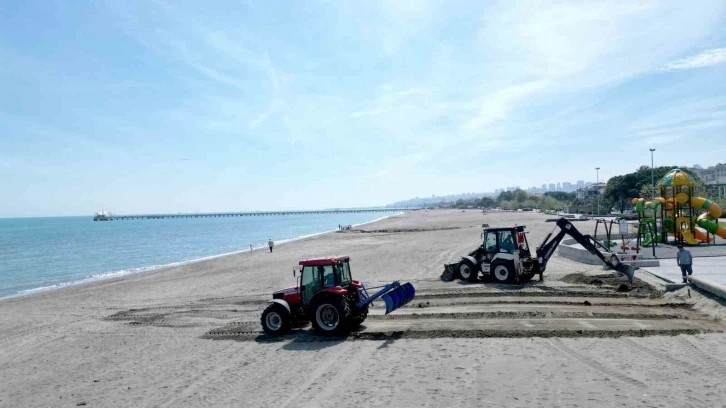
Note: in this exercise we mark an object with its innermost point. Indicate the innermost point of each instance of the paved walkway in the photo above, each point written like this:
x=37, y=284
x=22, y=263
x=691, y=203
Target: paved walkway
x=709, y=268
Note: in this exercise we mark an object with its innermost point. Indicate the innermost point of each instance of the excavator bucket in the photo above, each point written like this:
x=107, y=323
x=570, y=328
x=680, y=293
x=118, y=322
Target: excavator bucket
x=623, y=268
x=398, y=297
x=626, y=270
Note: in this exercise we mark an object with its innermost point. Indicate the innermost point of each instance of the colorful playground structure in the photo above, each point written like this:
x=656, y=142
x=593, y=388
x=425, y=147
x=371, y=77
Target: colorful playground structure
x=687, y=219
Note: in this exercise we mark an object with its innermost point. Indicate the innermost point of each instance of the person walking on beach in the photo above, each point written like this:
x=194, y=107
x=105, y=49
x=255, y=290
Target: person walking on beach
x=270, y=244
x=685, y=261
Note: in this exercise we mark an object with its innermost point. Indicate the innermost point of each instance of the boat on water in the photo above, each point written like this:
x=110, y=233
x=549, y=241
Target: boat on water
x=103, y=216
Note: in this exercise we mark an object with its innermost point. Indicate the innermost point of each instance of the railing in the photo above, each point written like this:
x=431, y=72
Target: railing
x=113, y=217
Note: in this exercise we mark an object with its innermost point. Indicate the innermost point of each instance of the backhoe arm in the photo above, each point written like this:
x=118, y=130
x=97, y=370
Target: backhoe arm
x=545, y=251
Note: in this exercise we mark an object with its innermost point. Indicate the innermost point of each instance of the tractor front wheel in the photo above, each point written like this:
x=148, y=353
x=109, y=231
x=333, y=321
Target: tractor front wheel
x=330, y=315
x=275, y=319
x=468, y=271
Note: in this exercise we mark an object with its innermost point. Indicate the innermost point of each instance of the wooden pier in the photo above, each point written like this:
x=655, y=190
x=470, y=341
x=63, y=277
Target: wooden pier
x=113, y=217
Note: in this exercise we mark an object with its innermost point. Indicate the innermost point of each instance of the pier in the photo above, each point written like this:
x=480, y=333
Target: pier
x=104, y=216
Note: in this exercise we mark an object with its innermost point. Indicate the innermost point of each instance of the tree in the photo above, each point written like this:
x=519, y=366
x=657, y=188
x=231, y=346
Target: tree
x=722, y=203
x=505, y=196
x=646, y=193
x=548, y=203
x=520, y=195
x=561, y=195
x=486, y=202
x=621, y=190
x=529, y=204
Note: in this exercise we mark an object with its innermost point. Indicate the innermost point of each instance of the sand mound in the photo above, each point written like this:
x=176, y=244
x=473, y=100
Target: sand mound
x=638, y=287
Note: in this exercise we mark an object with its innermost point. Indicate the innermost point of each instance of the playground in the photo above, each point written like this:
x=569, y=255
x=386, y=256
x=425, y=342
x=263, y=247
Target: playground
x=678, y=216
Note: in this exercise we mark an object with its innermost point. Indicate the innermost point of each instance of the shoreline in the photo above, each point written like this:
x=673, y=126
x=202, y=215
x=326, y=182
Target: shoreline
x=190, y=335
x=112, y=275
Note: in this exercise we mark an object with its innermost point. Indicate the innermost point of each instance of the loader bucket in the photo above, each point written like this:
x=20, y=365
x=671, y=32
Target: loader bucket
x=398, y=297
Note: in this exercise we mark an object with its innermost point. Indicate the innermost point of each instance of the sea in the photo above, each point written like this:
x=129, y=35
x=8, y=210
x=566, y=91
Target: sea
x=39, y=254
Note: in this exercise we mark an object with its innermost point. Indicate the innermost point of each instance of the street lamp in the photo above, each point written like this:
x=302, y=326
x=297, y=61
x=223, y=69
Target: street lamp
x=597, y=180
x=652, y=174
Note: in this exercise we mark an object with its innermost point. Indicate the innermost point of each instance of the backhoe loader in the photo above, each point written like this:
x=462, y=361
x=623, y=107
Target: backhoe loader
x=505, y=255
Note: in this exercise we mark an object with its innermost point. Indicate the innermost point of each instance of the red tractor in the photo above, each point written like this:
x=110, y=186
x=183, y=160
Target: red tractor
x=328, y=297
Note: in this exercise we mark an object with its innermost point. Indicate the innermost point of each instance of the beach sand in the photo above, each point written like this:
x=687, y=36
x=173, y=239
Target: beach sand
x=167, y=338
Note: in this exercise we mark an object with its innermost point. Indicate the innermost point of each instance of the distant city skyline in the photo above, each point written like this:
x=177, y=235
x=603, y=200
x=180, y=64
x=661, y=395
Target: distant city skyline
x=566, y=186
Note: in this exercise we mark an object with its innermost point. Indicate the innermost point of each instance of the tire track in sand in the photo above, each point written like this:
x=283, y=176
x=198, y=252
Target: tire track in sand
x=594, y=364
x=340, y=379
x=323, y=368
x=191, y=386
x=659, y=355
x=703, y=359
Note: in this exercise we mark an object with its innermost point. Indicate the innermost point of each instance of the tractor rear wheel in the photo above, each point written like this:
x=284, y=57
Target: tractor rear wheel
x=502, y=272
x=330, y=315
x=468, y=271
x=356, y=321
x=275, y=319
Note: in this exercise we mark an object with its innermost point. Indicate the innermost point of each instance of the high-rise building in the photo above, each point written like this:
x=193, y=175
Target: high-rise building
x=559, y=187
x=714, y=174
x=544, y=188
x=567, y=186
x=580, y=184
x=553, y=187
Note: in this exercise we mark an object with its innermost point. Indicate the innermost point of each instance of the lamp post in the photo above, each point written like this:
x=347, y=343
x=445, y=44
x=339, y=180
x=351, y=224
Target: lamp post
x=597, y=180
x=652, y=174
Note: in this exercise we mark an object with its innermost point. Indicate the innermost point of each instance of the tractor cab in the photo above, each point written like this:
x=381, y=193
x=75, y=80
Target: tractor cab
x=504, y=241
x=499, y=256
x=318, y=274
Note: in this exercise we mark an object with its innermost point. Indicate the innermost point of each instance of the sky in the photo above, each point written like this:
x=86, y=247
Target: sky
x=181, y=106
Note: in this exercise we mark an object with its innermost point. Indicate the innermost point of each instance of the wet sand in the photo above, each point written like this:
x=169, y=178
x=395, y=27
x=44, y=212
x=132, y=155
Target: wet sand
x=189, y=335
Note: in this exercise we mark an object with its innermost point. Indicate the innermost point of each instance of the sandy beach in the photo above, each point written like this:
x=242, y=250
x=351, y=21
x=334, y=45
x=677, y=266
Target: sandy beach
x=184, y=336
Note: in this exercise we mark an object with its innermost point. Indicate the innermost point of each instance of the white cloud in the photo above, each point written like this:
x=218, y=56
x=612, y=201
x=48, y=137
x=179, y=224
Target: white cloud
x=594, y=43
x=498, y=105
x=703, y=59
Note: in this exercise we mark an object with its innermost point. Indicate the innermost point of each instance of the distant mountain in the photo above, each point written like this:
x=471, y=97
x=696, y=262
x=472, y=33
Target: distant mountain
x=435, y=200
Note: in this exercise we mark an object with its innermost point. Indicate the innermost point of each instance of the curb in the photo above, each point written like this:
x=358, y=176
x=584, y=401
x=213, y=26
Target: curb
x=584, y=256
x=710, y=287
x=672, y=287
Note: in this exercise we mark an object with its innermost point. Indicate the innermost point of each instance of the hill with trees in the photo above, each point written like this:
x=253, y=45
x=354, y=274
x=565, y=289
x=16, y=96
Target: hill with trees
x=617, y=195
x=438, y=201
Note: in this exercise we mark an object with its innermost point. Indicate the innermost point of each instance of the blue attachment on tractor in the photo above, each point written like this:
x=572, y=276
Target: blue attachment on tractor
x=394, y=295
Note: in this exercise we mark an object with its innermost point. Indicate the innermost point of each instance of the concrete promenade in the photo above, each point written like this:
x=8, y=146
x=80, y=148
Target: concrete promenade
x=707, y=268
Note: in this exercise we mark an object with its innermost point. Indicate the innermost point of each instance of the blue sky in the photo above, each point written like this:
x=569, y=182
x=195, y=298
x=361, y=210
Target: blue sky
x=167, y=106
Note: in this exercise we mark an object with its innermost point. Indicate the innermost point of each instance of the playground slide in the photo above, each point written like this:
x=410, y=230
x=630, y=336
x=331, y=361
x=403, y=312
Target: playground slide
x=714, y=210
x=690, y=240
x=648, y=238
x=701, y=236
x=712, y=227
